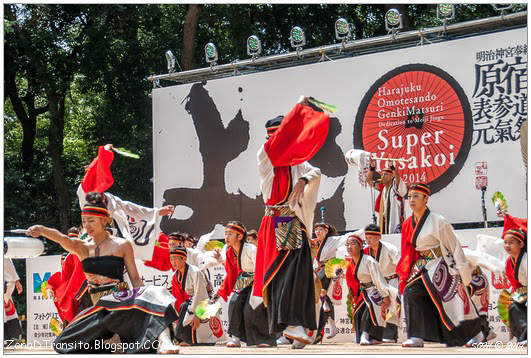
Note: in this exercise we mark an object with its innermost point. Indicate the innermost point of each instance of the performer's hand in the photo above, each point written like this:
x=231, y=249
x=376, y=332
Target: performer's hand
x=303, y=100
x=18, y=285
x=195, y=323
x=34, y=231
x=166, y=210
x=385, y=304
x=108, y=147
x=217, y=254
x=298, y=191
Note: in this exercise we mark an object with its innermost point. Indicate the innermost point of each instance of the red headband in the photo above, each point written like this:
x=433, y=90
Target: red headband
x=178, y=251
x=359, y=239
x=375, y=233
x=518, y=234
x=236, y=228
x=95, y=211
x=423, y=188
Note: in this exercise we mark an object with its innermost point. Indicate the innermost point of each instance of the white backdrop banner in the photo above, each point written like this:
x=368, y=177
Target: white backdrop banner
x=444, y=107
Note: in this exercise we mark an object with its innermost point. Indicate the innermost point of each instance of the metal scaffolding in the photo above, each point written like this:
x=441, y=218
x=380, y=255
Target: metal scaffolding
x=348, y=49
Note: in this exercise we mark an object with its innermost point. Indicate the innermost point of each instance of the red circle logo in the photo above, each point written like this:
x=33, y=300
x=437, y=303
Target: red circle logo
x=418, y=113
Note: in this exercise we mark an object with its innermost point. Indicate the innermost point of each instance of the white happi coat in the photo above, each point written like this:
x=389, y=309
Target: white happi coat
x=369, y=271
x=453, y=266
x=328, y=251
x=387, y=260
x=248, y=257
x=304, y=211
x=392, y=204
x=195, y=287
x=136, y=223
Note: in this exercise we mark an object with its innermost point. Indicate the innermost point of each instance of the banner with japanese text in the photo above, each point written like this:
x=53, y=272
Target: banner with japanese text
x=446, y=108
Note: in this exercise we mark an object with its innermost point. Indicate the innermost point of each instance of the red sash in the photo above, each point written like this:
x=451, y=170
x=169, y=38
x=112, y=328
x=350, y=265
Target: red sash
x=352, y=280
x=177, y=290
x=233, y=271
x=408, y=253
x=512, y=273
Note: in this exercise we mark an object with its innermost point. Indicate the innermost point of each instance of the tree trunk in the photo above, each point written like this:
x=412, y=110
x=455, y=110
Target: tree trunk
x=189, y=36
x=56, y=105
x=28, y=120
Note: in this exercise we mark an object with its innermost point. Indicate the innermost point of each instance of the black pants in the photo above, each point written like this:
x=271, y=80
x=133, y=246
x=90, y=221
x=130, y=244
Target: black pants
x=246, y=323
x=363, y=323
x=291, y=293
x=518, y=320
x=323, y=316
x=423, y=320
x=12, y=329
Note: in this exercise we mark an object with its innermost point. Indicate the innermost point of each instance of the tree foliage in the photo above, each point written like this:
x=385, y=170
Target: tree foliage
x=75, y=78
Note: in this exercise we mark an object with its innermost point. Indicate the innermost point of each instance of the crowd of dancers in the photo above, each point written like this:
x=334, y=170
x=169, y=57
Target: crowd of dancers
x=282, y=283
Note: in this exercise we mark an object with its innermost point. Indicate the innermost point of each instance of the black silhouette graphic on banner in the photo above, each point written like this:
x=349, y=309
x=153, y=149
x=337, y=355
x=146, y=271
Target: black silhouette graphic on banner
x=212, y=204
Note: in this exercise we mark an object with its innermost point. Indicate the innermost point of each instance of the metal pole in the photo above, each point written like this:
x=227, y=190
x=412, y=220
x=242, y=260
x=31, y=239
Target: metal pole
x=483, y=190
x=208, y=72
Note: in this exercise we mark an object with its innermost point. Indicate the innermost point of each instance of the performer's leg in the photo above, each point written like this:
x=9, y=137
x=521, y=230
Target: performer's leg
x=236, y=315
x=331, y=319
x=518, y=320
x=184, y=334
x=291, y=293
x=390, y=333
x=358, y=322
x=369, y=331
x=423, y=320
x=255, y=322
x=421, y=315
x=323, y=317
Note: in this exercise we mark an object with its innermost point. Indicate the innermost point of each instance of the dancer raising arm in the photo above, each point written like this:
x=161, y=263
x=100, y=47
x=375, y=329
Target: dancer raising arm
x=135, y=316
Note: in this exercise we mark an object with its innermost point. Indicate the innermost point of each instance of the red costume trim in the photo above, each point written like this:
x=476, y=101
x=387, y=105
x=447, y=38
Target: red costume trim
x=98, y=176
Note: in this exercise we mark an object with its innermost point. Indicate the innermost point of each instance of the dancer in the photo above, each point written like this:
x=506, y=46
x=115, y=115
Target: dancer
x=390, y=201
x=368, y=293
x=139, y=317
x=247, y=314
x=433, y=275
x=328, y=243
x=189, y=287
x=387, y=256
x=284, y=275
x=515, y=244
x=133, y=222
x=12, y=327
